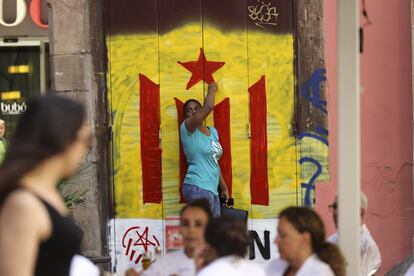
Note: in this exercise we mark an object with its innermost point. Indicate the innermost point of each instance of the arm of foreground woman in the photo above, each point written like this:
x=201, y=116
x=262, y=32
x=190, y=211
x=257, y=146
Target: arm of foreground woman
x=23, y=222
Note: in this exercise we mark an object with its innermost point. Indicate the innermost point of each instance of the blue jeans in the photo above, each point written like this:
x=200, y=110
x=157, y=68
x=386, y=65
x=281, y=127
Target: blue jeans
x=193, y=192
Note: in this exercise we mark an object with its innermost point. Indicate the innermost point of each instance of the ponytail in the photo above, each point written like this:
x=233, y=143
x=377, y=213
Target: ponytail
x=307, y=220
x=330, y=254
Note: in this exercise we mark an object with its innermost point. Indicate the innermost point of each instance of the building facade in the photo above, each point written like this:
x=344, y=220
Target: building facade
x=133, y=64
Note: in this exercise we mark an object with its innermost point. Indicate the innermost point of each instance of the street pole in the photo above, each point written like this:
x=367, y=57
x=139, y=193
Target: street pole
x=349, y=134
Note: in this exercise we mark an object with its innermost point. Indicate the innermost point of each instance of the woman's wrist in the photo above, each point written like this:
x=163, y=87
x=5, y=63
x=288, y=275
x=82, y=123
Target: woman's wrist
x=212, y=87
x=225, y=193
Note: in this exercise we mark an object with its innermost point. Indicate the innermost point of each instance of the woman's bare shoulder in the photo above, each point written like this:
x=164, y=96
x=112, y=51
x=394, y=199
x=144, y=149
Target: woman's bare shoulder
x=25, y=209
x=21, y=200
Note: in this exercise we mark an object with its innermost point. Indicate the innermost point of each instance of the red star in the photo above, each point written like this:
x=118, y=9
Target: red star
x=201, y=69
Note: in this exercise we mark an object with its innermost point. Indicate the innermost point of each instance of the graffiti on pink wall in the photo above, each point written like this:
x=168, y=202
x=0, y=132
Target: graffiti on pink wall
x=311, y=92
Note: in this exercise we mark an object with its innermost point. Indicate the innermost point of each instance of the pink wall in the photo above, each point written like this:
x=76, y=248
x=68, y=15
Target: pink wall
x=386, y=126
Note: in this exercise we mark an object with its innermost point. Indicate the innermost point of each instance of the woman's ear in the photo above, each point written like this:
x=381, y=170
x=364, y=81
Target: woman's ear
x=362, y=214
x=307, y=238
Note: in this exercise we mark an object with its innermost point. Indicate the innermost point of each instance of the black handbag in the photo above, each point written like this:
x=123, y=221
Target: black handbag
x=230, y=212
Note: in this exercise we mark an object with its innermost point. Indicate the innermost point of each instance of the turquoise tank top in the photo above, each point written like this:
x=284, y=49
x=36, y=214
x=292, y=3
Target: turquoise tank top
x=203, y=153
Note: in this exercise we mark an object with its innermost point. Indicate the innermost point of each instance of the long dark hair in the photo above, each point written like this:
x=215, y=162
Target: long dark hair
x=48, y=126
x=227, y=236
x=307, y=220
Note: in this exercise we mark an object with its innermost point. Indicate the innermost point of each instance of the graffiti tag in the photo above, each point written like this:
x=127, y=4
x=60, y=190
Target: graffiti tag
x=311, y=184
x=136, y=242
x=311, y=91
x=263, y=14
x=320, y=131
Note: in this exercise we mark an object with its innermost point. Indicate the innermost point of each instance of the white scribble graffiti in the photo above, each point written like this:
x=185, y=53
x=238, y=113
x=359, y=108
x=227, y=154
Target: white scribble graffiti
x=263, y=14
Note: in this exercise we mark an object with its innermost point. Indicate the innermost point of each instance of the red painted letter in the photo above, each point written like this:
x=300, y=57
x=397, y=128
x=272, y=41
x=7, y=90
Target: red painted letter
x=150, y=120
x=258, y=143
x=222, y=124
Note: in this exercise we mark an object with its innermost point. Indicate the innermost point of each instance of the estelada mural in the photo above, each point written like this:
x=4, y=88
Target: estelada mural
x=161, y=53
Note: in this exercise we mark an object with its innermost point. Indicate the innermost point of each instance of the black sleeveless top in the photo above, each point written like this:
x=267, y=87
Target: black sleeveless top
x=56, y=253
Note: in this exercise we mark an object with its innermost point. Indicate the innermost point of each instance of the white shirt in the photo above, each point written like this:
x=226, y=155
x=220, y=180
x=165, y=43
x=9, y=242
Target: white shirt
x=230, y=265
x=370, y=254
x=410, y=271
x=173, y=263
x=81, y=266
x=312, y=266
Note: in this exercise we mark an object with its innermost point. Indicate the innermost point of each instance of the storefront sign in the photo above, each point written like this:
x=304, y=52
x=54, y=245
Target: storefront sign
x=12, y=108
x=23, y=17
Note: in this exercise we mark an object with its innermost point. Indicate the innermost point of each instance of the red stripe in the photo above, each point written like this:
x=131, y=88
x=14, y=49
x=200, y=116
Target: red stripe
x=128, y=247
x=183, y=161
x=258, y=143
x=150, y=121
x=132, y=255
x=138, y=258
x=222, y=124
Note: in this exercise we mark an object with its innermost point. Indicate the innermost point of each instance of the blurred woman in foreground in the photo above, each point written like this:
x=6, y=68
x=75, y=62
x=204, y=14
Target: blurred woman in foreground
x=37, y=234
x=193, y=219
x=302, y=246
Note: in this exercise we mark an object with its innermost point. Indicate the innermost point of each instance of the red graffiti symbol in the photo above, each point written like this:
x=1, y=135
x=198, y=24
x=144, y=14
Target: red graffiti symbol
x=144, y=241
x=137, y=241
x=201, y=69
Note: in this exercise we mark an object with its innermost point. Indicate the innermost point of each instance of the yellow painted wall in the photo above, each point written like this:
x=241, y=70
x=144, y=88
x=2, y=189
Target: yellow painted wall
x=248, y=56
